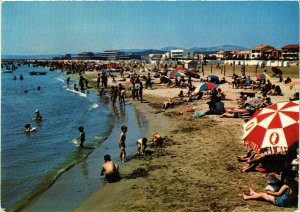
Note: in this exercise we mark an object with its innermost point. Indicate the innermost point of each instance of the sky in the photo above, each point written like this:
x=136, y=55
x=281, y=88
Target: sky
x=53, y=27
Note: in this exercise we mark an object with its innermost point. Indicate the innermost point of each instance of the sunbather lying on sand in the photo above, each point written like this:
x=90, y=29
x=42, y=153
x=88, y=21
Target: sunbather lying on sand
x=234, y=115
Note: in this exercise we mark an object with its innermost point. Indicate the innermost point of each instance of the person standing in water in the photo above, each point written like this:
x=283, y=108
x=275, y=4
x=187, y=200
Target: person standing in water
x=81, y=136
x=38, y=116
x=68, y=80
x=122, y=143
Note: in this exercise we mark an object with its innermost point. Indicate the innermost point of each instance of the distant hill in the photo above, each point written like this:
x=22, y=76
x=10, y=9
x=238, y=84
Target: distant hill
x=208, y=49
x=218, y=48
x=132, y=50
x=28, y=57
x=169, y=48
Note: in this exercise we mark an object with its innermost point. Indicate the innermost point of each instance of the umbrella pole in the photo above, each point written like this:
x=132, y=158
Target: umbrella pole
x=224, y=70
x=210, y=68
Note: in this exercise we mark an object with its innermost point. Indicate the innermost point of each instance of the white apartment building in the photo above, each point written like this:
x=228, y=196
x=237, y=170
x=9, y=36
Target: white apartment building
x=182, y=54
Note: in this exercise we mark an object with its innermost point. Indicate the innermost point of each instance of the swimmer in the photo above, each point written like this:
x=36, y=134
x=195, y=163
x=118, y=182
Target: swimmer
x=38, y=116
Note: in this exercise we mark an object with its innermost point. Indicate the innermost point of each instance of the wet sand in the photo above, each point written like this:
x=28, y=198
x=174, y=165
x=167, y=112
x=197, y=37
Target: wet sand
x=196, y=170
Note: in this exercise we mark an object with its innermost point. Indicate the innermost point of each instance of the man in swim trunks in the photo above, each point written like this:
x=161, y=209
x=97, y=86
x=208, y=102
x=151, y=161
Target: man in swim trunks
x=122, y=143
x=110, y=169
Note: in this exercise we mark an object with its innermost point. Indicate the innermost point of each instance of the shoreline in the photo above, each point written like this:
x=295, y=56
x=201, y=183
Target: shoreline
x=196, y=170
x=32, y=202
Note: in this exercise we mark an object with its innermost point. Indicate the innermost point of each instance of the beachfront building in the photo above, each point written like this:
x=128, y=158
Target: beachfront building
x=66, y=57
x=86, y=56
x=130, y=56
x=180, y=54
x=111, y=54
x=243, y=55
x=155, y=58
x=222, y=55
x=199, y=56
x=190, y=64
x=290, y=52
x=271, y=54
x=257, y=51
x=166, y=56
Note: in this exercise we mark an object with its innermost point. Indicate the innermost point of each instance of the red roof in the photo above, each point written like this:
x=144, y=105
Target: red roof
x=291, y=46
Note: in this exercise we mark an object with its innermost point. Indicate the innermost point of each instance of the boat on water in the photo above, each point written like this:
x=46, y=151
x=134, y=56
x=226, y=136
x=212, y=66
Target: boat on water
x=38, y=73
x=7, y=71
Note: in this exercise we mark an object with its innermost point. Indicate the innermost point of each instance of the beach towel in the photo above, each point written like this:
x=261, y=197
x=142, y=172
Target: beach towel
x=190, y=110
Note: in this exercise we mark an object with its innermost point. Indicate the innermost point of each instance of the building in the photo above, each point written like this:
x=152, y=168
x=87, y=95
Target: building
x=86, y=56
x=66, y=57
x=155, y=58
x=130, y=56
x=182, y=54
x=290, y=52
x=111, y=54
x=257, y=51
x=243, y=55
x=221, y=55
x=271, y=54
x=190, y=64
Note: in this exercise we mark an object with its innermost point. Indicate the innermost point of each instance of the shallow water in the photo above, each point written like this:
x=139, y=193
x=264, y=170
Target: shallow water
x=75, y=185
x=31, y=162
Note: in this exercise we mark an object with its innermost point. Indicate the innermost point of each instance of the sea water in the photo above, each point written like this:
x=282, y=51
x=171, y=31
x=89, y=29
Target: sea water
x=30, y=163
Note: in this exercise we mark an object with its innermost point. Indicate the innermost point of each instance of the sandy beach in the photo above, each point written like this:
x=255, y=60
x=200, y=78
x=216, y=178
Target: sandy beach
x=196, y=169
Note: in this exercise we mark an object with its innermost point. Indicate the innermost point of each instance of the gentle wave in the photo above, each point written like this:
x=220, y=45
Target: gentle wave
x=59, y=79
x=77, y=92
x=93, y=106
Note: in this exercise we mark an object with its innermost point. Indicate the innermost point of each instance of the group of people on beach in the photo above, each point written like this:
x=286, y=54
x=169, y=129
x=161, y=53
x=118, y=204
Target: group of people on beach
x=111, y=169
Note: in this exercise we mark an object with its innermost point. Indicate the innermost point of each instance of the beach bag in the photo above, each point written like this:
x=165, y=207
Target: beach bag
x=198, y=115
x=273, y=184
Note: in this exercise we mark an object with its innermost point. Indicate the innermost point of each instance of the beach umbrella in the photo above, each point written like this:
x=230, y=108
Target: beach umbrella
x=273, y=129
x=263, y=76
x=212, y=76
x=175, y=74
x=181, y=69
x=205, y=87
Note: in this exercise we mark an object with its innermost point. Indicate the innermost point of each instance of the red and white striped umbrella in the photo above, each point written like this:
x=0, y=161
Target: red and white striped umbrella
x=273, y=129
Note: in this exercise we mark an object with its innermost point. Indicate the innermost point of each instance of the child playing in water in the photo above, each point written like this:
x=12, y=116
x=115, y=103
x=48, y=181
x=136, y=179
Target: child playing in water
x=122, y=143
x=110, y=169
x=81, y=136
